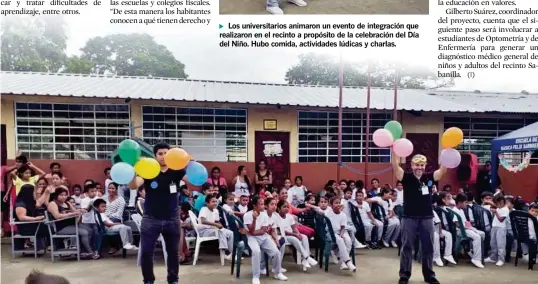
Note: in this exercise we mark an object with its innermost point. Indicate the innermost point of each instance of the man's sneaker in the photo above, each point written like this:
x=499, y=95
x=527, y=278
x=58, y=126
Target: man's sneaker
x=489, y=260
x=275, y=10
x=499, y=263
x=450, y=259
x=403, y=280
x=477, y=263
x=343, y=266
x=282, y=270
x=394, y=244
x=255, y=280
x=351, y=266
x=299, y=3
x=130, y=247
x=438, y=262
x=360, y=245
x=306, y=264
x=386, y=244
x=312, y=261
x=280, y=277
x=432, y=280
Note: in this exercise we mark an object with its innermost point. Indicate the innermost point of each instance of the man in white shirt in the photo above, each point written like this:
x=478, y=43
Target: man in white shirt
x=477, y=237
x=393, y=223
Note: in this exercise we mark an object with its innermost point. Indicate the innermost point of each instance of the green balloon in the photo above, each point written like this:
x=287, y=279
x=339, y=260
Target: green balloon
x=129, y=151
x=395, y=128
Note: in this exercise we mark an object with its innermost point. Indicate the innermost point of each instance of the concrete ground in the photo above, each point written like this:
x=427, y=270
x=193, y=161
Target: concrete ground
x=375, y=267
x=392, y=7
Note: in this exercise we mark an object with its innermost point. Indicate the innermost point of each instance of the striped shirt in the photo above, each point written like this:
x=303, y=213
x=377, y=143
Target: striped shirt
x=115, y=208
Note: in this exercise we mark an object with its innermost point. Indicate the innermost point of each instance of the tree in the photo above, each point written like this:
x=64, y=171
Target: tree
x=78, y=65
x=127, y=55
x=318, y=69
x=33, y=44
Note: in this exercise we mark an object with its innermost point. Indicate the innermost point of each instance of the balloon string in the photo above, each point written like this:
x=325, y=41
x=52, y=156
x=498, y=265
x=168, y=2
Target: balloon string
x=359, y=172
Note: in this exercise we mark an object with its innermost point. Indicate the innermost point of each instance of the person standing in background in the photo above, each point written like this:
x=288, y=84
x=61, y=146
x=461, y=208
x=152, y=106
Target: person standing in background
x=483, y=181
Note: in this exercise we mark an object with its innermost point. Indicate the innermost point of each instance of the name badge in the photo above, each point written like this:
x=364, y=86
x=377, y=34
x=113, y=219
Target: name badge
x=173, y=188
x=425, y=190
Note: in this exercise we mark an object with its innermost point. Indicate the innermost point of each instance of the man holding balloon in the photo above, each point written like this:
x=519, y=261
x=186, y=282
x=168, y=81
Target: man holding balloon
x=417, y=192
x=161, y=178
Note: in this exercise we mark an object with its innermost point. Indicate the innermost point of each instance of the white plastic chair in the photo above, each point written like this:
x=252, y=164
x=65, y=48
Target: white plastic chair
x=137, y=219
x=200, y=239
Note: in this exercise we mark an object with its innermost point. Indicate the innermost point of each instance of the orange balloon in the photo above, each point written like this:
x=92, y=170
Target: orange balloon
x=452, y=138
x=176, y=159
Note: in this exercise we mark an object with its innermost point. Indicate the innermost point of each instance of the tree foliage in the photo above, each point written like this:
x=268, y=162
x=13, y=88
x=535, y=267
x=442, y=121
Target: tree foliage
x=33, y=44
x=320, y=69
x=127, y=55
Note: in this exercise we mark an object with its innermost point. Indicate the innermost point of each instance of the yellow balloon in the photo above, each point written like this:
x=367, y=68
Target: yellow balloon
x=452, y=138
x=147, y=168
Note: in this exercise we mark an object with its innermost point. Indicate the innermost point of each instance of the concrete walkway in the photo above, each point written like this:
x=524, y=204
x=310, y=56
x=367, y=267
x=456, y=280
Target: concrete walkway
x=330, y=7
x=373, y=267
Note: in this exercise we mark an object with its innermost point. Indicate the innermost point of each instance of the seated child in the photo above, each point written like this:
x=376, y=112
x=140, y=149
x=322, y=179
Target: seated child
x=126, y=232
x=393, y=223
x=243, y=204
x=439, y=234
x=343, y=240
x=498, y=231
x=368, y=220
x=350, y=227
x=258, y=226
x=207, y=189
x=293, y=237
x=274, y=226
x=186, y=223
x=210, y=225
x=308, y=217
x=229, y=205
x=533, y=210
x=476, y=236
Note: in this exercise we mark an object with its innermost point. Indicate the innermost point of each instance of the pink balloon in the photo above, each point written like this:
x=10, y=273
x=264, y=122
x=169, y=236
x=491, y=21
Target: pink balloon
x=450, y=158
x=383, y=138
x=402, y=147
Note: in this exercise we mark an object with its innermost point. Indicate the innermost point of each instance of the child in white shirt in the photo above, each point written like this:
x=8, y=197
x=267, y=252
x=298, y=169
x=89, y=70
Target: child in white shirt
x=368, y=219
x=477, y=237
x=258, y=225
x=438, y=234
x=210, y=225
x=343, y=240
x=533, y=210
x=293, y=237
x=243, y=204
x=393, y=222
x=498, y=231
x=126, y=232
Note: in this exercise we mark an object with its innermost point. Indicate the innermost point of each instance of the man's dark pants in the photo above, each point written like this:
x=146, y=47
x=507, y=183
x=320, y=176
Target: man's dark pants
x=150, y=229
x=411, y=227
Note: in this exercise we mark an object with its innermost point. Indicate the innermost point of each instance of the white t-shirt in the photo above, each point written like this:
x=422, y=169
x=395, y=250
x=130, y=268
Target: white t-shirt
x=227, y=208
x=210, y=216
x=436, y=219
x=287, y=223
x=274, y=220
x=337, y=220
x=384, y=203
x=87, y=203
x=105, y=219
x=242, y=209
x=296, y=195
x=461, y=213
x=261, y=221
x=503, y=212
x=364, y=209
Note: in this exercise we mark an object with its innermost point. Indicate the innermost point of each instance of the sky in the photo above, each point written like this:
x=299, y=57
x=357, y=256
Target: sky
x=197, y=47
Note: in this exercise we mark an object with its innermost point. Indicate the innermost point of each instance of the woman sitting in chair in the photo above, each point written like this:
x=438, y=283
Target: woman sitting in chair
x=25, y=211
x=66, y=224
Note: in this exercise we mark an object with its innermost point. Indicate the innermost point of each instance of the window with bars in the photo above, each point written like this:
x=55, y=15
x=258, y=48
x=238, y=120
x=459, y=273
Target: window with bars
x=208, y=134
x=479, y=131
x=318, y=137
x=70, y=131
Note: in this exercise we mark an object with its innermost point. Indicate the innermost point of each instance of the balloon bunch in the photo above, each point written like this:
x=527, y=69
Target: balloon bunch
x=390, y=136
x=450, y=158
x=148, y=168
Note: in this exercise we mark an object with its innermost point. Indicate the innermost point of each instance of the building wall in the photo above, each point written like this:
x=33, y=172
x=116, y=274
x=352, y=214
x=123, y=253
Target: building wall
x=315, y=174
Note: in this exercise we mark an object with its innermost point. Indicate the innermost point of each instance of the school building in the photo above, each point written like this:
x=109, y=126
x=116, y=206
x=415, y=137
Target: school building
x=78, y=120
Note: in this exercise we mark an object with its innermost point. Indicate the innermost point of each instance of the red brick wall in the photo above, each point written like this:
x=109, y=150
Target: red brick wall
x=315, y=175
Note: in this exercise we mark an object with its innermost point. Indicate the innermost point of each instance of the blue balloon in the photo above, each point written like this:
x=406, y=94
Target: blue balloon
x=196, y=173
x=122, y=173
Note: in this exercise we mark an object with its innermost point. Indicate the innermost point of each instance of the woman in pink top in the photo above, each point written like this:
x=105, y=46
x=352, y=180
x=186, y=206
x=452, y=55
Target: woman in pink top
x=217, y=181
